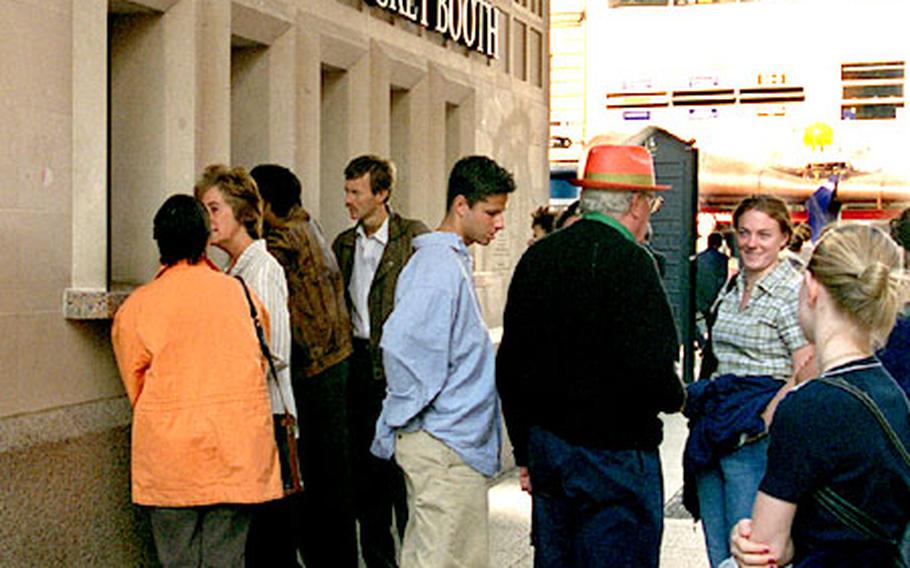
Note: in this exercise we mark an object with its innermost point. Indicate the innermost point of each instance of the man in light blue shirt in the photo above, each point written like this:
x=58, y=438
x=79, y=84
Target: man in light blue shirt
x=440, y=418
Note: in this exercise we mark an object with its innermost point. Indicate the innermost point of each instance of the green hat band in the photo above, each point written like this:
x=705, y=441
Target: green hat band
x=630, y=179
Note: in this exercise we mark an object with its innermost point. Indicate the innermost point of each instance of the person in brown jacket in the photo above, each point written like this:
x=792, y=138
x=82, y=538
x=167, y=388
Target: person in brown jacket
x=321, y=348
x=371, y=255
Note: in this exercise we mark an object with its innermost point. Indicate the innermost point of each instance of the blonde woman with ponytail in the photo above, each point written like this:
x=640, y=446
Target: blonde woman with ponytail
x=836, y=491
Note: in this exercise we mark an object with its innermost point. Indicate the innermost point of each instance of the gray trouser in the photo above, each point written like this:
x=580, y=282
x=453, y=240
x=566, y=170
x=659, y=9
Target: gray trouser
x=200, y=536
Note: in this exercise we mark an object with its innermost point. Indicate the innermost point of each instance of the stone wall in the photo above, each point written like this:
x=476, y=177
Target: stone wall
x=109, y=106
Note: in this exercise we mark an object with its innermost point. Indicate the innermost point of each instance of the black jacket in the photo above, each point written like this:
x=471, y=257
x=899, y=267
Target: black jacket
x=589, y=343
x=710, y=276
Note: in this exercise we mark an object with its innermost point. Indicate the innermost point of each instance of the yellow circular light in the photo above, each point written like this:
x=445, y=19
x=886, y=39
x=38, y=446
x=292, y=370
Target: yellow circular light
x=818, y=135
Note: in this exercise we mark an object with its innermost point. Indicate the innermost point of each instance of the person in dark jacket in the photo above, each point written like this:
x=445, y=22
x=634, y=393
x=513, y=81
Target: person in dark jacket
x=371, y=255
x=320, y=351
x=895, y=355
x=582, y=383
x=568, y=216
x=710, y=276
x=543, y=221
x=710, y=273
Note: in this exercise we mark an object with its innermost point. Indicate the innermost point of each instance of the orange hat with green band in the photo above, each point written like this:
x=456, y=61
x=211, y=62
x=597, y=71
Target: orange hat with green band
x=623, y=168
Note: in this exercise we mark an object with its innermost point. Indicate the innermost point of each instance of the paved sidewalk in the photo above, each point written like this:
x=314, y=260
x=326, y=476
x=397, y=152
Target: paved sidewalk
x=683, y=543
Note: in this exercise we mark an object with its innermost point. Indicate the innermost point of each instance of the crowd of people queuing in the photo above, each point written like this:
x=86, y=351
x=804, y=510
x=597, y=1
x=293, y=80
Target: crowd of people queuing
x=797, y=451
x=409, y=441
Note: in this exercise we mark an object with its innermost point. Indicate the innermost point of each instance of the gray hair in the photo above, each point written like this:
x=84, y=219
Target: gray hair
x=606, y=202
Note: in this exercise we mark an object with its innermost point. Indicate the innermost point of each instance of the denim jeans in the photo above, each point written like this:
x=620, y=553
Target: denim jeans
x=594, y=508
x=726, y=494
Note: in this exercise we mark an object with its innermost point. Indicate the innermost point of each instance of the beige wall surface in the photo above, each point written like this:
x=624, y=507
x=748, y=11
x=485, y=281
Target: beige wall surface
x=93, y=145
x=45, y=360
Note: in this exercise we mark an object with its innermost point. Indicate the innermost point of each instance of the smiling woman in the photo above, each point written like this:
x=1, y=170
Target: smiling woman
x=760, y=348
x=762, y=231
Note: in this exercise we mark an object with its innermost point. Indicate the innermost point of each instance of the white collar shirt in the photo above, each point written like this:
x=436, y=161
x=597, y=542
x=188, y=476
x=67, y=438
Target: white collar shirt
x=367, y=254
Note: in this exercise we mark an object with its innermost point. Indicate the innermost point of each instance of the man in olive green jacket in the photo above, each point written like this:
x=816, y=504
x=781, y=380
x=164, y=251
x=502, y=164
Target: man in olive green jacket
x=371, y=255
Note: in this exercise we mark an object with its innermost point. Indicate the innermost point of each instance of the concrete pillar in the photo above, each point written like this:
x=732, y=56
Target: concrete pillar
x=89, y=226
x=345, y=122
x=423, y=191
x=397, y=118
x=282, y=83
x=213, y=81
x=308, y=79
x=180, y=46
x=451, y=128
x=436, y=172
x=379, y=102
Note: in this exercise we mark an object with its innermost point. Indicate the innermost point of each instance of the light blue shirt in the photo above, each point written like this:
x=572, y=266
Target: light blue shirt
x=439, y=358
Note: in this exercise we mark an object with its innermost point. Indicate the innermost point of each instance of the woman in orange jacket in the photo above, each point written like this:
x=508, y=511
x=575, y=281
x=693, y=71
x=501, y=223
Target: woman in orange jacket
x=202, y=438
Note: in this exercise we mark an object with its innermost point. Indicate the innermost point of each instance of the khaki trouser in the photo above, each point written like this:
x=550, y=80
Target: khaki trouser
x=447, y=501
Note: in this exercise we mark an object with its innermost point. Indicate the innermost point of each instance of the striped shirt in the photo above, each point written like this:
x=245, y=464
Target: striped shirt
x=265, y=277
x=760, y=339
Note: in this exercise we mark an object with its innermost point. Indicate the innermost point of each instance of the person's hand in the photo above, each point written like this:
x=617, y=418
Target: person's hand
x=747, y=552
x=524, y=479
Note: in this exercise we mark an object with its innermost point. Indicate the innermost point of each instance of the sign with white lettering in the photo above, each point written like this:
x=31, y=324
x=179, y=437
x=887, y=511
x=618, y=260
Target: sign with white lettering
x=473, y=23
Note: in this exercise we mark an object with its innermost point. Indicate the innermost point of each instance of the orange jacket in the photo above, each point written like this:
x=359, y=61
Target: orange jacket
x=193, y=370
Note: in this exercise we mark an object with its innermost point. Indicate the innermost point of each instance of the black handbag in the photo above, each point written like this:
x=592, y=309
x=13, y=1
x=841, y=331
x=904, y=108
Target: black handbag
x=285, y=424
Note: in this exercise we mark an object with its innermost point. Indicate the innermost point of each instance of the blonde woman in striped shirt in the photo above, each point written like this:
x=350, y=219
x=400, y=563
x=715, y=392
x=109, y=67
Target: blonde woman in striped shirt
x=232, y=199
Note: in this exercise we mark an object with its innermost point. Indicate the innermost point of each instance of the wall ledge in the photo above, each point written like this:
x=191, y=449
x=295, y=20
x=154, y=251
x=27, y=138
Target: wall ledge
x=64, y=423
x=92, y=304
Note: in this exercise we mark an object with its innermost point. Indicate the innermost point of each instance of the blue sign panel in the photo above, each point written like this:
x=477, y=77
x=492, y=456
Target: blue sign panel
x=636, y=115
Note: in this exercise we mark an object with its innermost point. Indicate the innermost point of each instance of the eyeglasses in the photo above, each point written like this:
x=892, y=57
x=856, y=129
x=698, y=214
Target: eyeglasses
x=655, y=203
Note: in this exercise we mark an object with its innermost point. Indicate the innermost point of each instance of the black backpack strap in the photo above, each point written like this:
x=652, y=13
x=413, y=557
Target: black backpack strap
x=851, y=515
x=847, y=513
x=873, y=408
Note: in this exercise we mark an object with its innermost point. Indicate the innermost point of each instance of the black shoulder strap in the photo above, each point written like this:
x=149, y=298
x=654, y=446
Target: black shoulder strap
x=873, y=408
x=840, y=508
x=266, y=352
x=715, y=307
x=851, y=515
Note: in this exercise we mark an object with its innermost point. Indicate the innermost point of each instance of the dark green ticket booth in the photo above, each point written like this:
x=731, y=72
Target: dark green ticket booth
x=674, y=228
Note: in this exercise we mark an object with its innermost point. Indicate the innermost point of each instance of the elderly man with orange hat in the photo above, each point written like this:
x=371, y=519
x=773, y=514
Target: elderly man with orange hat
x=582, y=382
